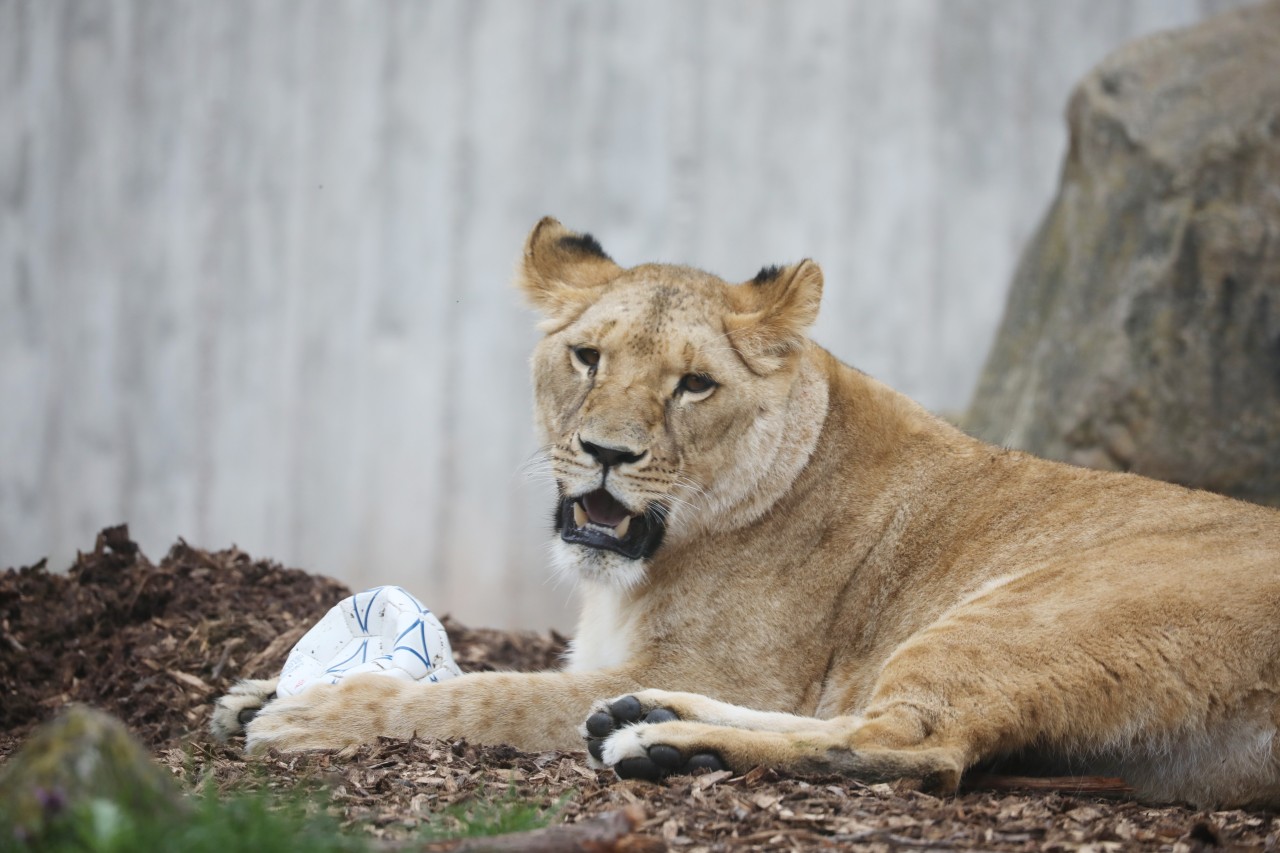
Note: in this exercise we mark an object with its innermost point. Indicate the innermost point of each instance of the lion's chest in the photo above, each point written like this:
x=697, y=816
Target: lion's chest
x=605, y=638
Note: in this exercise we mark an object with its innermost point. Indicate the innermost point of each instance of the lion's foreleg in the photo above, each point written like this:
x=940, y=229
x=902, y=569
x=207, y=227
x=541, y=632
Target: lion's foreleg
x=826, y=747
x=532, y=711
x=696, y=708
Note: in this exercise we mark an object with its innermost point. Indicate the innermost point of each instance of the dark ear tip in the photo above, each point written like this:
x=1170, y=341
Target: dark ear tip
x=585, y=244
x=767, y=274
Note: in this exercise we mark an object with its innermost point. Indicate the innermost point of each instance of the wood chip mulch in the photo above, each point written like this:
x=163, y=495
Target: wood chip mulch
x=155, y=644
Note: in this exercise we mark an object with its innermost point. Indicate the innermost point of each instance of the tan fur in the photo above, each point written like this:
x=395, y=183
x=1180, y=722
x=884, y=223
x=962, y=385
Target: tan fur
x=848, y=583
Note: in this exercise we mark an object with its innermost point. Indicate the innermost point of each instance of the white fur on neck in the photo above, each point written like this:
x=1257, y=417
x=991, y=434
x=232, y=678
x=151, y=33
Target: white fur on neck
x=606, y=629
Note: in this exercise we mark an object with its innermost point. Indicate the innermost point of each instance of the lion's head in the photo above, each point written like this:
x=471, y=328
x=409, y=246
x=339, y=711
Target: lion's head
x=672, y=404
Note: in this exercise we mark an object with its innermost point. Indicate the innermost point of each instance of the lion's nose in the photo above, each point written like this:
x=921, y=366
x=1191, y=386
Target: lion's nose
x=610, y=456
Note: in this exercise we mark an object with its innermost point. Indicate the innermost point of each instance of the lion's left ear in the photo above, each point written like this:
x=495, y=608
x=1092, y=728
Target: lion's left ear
x=772, y=313
x=562, y=271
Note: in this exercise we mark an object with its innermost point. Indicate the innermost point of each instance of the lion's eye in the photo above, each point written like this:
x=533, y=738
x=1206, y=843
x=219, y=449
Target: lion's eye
x=588, y=357
x=696, y=385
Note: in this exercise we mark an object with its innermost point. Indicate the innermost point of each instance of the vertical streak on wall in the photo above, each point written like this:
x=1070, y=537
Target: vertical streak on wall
x=685, y=119
x=410, y=352
x=283, y=179
x=974, y=146
x=449, y=559
x=24, y=368
x=893, y=195
x=157, y=355
x=291, y=161
x=207, y=127
x=86, y=261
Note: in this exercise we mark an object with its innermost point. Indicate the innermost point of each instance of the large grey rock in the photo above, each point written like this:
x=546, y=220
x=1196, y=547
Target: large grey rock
x=1143, y=327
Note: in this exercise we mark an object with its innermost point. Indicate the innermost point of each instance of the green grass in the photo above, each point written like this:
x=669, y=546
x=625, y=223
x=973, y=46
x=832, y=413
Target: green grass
x=255, y=821
x=240, y=822
x=83, y=784
x=485, y=817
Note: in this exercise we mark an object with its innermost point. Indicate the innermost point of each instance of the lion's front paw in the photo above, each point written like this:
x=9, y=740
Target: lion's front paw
x=325, y=716
x=243, y=701
x=627, y=734
x=313, y=719
x=642, y=751
x=610, y=715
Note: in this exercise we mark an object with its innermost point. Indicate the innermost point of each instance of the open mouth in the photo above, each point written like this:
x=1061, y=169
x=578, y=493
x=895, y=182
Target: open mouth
x=599, y=520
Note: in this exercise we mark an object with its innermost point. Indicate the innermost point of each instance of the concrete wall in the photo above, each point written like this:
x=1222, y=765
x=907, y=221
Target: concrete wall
x=255, y=256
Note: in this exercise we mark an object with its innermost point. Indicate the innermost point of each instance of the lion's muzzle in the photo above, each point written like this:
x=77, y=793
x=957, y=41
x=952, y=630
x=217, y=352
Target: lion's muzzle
x=599, y=520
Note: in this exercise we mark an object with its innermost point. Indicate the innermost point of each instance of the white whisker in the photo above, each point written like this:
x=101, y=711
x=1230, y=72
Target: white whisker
x=539, y=457
x=720, y=339
x=692, y=485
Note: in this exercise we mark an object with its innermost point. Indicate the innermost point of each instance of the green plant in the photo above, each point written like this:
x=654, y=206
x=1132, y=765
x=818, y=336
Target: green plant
x=483, y=817
x=240, y=822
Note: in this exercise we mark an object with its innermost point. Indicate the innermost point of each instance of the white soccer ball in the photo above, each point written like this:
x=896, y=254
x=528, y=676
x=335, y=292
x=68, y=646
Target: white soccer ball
x=384, y=631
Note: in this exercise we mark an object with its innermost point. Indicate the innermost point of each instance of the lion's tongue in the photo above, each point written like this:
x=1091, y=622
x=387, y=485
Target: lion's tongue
x=603, y=509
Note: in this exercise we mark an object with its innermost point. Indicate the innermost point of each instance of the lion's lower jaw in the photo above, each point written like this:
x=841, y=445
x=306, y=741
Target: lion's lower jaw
x=579, y=562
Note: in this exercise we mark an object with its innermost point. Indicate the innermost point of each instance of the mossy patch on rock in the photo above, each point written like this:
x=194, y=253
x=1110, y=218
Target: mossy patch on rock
x=87, y=760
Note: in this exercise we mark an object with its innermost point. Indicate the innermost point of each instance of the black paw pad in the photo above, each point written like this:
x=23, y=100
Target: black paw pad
x=666, y=757
x=626, y=710
x=639, y=768
x=704, y=762
x=663, y=760
x=600, y=724
x=660, y=715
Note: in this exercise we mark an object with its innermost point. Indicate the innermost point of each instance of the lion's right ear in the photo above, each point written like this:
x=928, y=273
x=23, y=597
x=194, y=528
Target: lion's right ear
x=773, y=312
x=562, y=271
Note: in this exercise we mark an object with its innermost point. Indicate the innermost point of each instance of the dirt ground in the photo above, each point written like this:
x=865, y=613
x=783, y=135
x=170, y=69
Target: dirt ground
x=155, y=644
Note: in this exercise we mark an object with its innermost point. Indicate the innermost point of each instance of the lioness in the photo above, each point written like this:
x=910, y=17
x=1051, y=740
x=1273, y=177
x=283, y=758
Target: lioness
x=834, y=579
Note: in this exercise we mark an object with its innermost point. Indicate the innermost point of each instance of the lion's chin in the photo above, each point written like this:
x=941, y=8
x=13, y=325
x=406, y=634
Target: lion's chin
x=593, y=565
